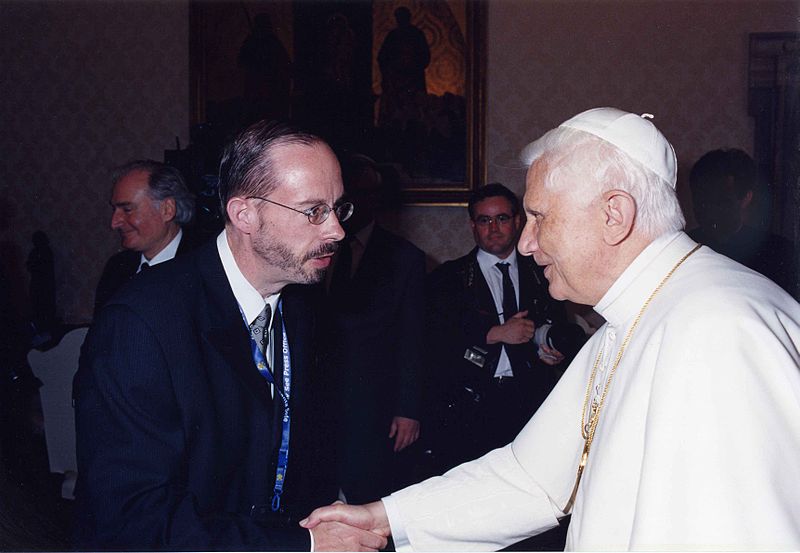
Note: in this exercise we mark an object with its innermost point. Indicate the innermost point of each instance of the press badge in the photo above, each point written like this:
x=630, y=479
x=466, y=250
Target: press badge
x=476, y=356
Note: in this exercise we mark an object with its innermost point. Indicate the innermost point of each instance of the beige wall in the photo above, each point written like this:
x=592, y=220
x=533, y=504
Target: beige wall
x=85, y=86
x=684, y=61
x=89, y=85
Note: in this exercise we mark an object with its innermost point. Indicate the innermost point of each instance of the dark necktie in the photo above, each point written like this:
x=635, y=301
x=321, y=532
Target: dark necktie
x=509, y=296
x=144, y=266
x=259, y=329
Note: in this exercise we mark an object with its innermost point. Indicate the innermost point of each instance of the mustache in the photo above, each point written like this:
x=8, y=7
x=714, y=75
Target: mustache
x=328, y=248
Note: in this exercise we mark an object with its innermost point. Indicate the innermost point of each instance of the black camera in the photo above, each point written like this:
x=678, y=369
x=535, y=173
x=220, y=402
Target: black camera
x=566, y=338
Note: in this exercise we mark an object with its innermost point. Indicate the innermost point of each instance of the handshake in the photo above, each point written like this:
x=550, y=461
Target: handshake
x=341, y=527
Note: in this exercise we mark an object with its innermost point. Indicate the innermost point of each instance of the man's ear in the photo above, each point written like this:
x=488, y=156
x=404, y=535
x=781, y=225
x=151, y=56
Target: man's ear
x=168, y=209
x=619, y=213
x=243, y=215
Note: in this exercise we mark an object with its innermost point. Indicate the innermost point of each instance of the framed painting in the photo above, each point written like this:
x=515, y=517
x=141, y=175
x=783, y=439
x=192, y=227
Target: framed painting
x=401, y=81
x=435, y=136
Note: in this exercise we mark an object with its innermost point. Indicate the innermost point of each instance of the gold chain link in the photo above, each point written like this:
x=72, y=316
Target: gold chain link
x=588, y=429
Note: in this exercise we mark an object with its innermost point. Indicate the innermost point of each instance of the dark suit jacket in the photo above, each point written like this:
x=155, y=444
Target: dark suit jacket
x=374, y=331
x=770, y=254
x=461, y=311
x=121, y=266
x=176, y=428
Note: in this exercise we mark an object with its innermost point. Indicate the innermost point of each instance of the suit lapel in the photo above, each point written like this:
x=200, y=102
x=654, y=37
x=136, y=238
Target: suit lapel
x=131, y=263
x=183, y=245
x=297, y=321
x=480, y=295
x=371, y=258
x=227, y=331
x=127, y=264
x=484, y=301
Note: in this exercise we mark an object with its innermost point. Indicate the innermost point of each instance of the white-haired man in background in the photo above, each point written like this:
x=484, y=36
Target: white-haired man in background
x=678, y=424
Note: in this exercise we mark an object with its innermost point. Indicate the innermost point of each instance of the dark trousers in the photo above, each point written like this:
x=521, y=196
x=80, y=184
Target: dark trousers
x=475, y=423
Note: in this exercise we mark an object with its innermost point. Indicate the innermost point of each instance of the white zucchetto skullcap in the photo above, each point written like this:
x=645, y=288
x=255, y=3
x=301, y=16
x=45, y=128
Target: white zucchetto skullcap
x=633, y=134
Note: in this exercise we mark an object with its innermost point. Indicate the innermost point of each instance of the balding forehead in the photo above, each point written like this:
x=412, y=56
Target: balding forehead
x=535, y=184
x=131, y=182
x=554, y=177
x=537, y=172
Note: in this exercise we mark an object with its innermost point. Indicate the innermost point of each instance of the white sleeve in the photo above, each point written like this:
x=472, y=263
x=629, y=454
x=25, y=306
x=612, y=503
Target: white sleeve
x=486, y=504
x=399, y=536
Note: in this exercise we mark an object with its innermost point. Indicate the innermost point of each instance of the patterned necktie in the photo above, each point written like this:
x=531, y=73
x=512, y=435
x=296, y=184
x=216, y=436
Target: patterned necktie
x=509, y=296
x=259, y=328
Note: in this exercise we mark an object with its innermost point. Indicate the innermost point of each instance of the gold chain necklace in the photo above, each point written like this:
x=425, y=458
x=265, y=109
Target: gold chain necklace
x=588, y=428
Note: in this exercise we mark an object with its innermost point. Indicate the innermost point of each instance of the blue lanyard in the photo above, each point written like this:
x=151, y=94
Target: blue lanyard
x=263, y=367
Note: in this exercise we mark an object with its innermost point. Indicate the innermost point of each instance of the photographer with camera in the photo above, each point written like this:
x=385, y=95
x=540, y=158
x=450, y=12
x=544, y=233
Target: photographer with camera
x=498, y=341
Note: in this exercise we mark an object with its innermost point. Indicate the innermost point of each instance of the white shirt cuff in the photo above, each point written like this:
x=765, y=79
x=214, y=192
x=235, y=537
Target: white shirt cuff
x=396, y=524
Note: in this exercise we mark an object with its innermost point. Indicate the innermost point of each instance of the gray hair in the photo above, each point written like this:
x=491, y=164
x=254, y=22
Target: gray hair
x=163, y=182
x=579, y=155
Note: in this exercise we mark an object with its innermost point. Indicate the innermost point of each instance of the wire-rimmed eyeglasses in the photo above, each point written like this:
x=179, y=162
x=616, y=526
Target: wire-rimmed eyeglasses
x=485, y=220
x=319, y=213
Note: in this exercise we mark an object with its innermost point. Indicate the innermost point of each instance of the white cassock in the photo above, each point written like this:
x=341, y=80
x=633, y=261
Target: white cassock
x=698, y=444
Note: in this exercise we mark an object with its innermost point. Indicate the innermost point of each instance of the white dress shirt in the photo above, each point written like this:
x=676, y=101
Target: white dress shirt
x=169, y=252
x=250, y=300
x=494, y=278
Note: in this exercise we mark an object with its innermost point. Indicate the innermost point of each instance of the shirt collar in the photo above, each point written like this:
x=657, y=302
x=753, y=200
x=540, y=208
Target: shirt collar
x=166, y=254
x=250, y=300
x=632, y=288
x=488, y=260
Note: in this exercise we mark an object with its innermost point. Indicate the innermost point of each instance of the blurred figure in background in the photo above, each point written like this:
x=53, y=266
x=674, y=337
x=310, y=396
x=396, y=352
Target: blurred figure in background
x=725, y=193
x=150, y=206
x=374, y=317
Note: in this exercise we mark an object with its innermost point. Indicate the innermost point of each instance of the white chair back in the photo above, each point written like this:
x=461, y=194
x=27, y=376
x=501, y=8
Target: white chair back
x=55, y=368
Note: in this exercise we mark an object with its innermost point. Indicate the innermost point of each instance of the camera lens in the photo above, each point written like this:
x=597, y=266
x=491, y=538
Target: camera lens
x=566, y=338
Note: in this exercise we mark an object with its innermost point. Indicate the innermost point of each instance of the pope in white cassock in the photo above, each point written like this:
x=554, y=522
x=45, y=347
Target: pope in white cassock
x=678, y=424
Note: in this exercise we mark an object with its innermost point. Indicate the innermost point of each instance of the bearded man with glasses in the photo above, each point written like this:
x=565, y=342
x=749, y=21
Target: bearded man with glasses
x=202, y=421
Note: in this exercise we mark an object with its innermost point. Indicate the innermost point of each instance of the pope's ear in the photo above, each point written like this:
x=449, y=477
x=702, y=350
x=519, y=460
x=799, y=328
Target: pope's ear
x=242, y=214
x=619, y=214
